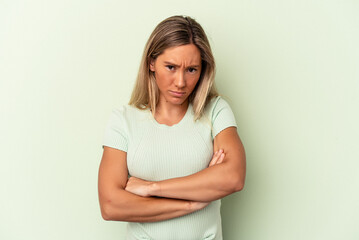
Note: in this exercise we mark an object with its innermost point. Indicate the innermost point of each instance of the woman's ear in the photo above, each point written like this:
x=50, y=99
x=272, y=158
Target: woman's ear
x=152, y=64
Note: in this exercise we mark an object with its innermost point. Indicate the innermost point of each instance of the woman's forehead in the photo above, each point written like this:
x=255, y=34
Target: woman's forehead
x=188, y=54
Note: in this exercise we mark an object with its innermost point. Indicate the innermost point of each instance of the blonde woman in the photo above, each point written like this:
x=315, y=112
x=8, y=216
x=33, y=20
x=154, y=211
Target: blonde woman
x=173, y=152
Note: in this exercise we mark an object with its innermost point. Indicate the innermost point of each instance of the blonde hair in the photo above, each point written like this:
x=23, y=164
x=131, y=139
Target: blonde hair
x=175, y=31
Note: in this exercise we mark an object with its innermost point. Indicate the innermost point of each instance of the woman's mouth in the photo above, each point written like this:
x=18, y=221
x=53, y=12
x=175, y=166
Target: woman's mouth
x=177, y=94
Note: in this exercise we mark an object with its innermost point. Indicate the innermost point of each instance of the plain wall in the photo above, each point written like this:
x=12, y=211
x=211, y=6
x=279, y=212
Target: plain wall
x=289, y=68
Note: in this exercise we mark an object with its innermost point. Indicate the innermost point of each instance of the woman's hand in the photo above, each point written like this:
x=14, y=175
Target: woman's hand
x=198, y=205
x=217, y=158
x=139, y=186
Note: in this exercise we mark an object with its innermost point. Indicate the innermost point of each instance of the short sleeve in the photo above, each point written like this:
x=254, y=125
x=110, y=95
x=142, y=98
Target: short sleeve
x=115, y=134
x=222, y=116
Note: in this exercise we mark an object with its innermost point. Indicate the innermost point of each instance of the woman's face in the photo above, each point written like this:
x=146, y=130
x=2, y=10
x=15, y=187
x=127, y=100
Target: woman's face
x=177, y=71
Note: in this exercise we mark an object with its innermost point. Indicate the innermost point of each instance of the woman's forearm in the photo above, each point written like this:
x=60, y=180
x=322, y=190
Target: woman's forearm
x=125, y=206
x=207, y=185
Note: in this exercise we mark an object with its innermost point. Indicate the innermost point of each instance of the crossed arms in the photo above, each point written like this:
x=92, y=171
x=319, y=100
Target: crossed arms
x=136, y=200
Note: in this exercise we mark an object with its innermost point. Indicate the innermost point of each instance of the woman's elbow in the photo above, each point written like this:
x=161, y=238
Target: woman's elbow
x=105, y=216
x=109, y=213
x=238, y=186
x=106, y=212
x=237, y=183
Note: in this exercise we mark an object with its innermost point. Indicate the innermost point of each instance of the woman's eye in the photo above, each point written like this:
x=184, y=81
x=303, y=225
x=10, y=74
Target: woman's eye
x=170, y=67
x=192, y=70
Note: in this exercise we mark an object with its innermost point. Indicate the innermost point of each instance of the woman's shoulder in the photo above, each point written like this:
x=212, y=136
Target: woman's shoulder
x=127, y=109
x=220, y=114
x=129, y=114
x=216, y=103
x=128, y=117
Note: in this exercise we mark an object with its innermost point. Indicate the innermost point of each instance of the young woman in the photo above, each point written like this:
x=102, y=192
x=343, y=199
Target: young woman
x=173, y=152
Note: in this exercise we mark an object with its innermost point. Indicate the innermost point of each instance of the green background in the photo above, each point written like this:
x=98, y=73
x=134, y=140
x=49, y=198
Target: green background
x=289, y=68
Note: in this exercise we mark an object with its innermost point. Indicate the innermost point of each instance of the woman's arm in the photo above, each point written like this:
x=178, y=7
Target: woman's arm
x=120, y=205
x=210, y=184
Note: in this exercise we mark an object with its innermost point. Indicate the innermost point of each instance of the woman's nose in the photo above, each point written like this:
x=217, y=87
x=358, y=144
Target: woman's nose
x=180, y=81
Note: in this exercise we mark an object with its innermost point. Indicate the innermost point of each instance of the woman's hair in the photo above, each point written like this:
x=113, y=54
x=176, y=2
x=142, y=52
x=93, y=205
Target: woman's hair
x=171, y=32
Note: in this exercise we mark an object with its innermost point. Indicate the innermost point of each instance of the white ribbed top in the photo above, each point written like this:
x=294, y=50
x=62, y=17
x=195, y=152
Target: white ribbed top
x=157, y=151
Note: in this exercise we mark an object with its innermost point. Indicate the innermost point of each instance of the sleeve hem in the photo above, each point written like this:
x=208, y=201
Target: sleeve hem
x=122, y=148
x=217, y=132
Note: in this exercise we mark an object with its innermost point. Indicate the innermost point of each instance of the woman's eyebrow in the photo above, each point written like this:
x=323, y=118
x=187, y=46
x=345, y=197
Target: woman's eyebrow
x=169, y=63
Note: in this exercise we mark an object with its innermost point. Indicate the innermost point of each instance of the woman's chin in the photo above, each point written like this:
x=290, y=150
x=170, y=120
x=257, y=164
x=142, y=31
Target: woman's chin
x=176, y=100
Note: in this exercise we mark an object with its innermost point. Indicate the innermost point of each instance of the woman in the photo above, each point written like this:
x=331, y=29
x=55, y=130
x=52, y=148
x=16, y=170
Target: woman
x=173, y=152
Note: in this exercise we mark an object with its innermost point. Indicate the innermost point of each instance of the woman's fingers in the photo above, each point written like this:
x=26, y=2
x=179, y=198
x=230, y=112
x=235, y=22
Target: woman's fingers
x=138, y=186
x=198, y=205
x=217, y=157
x=220, y=159
x=214, y=159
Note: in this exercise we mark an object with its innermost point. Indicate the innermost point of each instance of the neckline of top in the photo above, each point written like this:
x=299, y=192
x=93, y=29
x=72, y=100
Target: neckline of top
x=176, y=125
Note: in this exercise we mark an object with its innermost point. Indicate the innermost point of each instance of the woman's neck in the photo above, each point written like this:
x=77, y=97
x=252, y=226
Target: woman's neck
x=171, y=113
